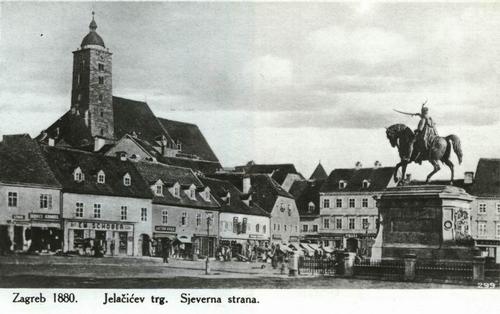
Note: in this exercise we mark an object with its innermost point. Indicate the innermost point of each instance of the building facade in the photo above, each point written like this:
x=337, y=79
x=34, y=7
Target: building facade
x=29, y=198
x=185, y=213
x=349, y=215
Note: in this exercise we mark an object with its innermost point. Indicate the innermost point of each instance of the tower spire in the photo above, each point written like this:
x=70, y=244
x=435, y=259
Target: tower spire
x=93, y=24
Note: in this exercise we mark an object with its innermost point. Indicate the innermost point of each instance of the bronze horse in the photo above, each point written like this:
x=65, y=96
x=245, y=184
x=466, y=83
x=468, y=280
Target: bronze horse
x=402, y=137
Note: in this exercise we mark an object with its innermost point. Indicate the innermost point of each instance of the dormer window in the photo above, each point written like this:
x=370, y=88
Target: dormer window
x=342, y=184
x=127, y=180
x=206, y=194
x=176, y=190
x=179, y=145
x=192, y=192
x=158, y=188
x=311, y=207
x=366, y=184
x=78, y=175
x=101, y=177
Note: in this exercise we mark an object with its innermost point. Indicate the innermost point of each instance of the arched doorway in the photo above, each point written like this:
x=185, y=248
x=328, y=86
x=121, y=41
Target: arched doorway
x=352, y=245
x=145, y=245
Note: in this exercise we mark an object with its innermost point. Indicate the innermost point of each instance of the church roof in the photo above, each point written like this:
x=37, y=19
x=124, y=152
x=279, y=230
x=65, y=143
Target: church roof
x=306, y=192
x=319, y=173
x=487, y=178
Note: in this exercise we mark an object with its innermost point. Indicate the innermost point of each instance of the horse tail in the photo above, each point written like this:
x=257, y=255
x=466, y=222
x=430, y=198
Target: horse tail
x=457, y=147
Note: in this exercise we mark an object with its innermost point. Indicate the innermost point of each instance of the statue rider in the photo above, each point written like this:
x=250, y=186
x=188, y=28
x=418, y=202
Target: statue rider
x=425, y=133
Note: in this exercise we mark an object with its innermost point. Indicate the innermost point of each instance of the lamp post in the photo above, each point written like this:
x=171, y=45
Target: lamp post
x=207, y=266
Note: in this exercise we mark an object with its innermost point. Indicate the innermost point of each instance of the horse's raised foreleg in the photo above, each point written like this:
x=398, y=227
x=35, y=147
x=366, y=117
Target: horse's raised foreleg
x=436, y=166
x=396, y=171
x=451, y=166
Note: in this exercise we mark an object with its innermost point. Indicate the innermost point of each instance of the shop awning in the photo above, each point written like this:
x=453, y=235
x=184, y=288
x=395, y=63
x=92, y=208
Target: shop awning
x=309, y=251
x=184, y=239
x=295, y=246
x=327, y=249
x=314, y=246
x=284, y=248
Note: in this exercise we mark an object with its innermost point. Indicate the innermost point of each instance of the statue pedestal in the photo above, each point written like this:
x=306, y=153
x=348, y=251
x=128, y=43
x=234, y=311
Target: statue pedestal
x=428, y=221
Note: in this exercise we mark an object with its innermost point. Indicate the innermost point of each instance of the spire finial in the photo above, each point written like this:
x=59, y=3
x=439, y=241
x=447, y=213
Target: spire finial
x=93, y=24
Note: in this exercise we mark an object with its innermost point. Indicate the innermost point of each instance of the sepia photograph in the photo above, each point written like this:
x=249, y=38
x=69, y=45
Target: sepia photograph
x=248, y=145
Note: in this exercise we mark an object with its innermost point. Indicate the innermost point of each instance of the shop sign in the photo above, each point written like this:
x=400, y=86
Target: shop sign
x=165, y=228
x=100, y=226
x=277, y=236
x=18, y=217
x=43, y=216
x=255, y=236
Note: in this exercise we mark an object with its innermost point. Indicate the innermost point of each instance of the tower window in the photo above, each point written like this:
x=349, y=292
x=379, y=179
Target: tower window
x=101, y=67
x=102, y=131
x=102, y=114
x=101, y=80
x=100, y=97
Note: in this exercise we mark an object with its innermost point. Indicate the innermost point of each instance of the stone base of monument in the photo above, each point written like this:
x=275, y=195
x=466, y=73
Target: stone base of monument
x=429, y=221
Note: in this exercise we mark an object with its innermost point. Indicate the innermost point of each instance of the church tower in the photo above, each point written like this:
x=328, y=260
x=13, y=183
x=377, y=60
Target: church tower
x=91, y=93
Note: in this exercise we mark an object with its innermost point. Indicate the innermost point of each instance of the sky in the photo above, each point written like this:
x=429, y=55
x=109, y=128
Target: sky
x=271, y=82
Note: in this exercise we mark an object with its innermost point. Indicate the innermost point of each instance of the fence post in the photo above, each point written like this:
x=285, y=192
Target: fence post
x=410, y=261
x=478, y=268
x=349, y=264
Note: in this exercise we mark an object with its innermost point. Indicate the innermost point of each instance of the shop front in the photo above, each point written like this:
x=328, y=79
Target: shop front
x=99, y=238
x=249, y=248
x=36, y=232
x=489, y=249
x=167, y=241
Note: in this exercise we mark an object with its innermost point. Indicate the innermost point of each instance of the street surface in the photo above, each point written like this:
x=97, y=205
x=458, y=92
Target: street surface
x=23, y=271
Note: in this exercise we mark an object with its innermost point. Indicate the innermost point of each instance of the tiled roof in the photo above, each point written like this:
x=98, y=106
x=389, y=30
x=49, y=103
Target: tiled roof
x=63, y=163
x=203, y=166
x=135, y=116
x=378, y=178
x=192, y=140
x=319, y=173
x=221, y=188
x=278, y=171
x=487, y=178
x=235, y=179
x=265, y=191
x=304, y=193
x=152, y=172
x=22, y=162
x=70, y=131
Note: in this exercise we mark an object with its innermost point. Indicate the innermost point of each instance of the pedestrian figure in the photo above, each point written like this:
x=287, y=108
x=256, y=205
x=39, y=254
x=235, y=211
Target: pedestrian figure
x=112, y=247
x=164, y=251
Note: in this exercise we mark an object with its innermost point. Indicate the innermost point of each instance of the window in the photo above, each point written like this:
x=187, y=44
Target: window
x=127, y=181
x=366, y=184
x=159, y=189
x=235, y=225
x=164, y=217
x=352, y=203
x=339, y=203
x=100, y=66
x=101, y=98
x=257, y=228
x=364, y=203
x=289, y=209
x=102, y=115
x=498, y=230
x=352, y=223
x=326, y=223
x=184, y=219
x=226, y=225
x=279, y=227
x=144, y=214
x=101, y=177
x=284, y=227
x=326, y=203
x=482, y=208
x=192, y=193
x=498, y=208
x=101, y=80
x=263, y=228
x=12, y=196
x=315, y=228
x=177, y=190
x=123, y=213
x=305, y=228
x=338, y=223
x=78, y=175
x=97, y=210
x=45, y=201
x=79, y=210
x=274, y=228
x=310, y=207
x=198, y=219
x=342, y=184
x=481, y=229
x=244, y=225
x=364, y=223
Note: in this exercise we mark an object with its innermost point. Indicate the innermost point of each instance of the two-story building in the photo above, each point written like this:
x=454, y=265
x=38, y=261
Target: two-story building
x=105, y=202
x=306, y=195
x=29, y=198
x=243, y=225
x=185, y=213
x=349, y=215
x=486, y=206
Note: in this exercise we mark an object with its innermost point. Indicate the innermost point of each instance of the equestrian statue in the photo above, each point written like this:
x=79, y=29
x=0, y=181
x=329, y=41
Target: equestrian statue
x=423, y=144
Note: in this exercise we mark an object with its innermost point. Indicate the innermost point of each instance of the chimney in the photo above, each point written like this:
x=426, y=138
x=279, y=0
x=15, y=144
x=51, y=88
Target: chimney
x=359, y=165
x=377, y=164
x=52, y=142
x=246, y=185
x=468, y=177
x=98, y=143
